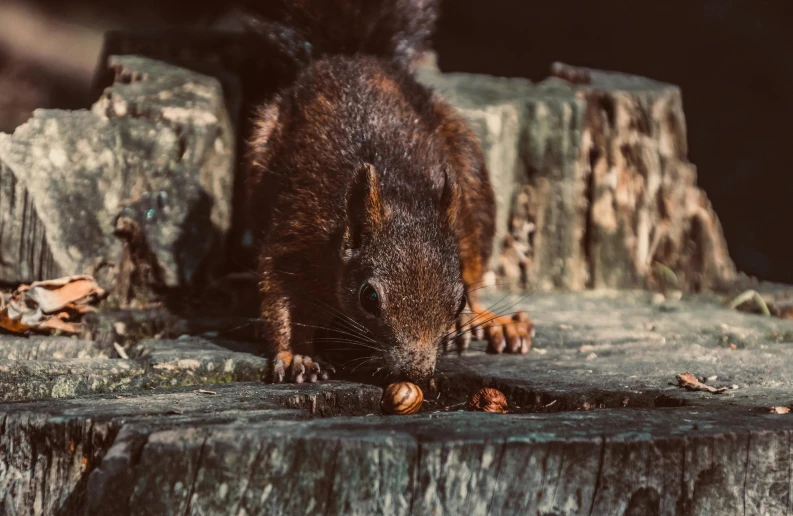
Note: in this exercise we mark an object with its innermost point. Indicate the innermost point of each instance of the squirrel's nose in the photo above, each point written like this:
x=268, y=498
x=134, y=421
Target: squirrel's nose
x=417, y=376
x=419, y=367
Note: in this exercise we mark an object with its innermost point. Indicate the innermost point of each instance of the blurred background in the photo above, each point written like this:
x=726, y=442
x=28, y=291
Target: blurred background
x=733, y=60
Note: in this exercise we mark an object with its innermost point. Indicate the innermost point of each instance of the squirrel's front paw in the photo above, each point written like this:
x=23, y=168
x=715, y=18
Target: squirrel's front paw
x=299, y=368
x=511, y=334
x=503, y=333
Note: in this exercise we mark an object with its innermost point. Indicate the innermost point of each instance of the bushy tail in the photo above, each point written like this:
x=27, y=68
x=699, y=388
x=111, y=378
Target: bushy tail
x=303, y=30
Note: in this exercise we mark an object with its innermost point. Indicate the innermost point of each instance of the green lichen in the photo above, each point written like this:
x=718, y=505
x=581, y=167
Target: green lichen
x=780, y=336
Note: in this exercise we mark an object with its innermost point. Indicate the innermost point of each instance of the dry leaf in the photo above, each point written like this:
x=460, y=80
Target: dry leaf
x=691, y=383
x=122, y=353
x=58, y=324
x=12, y=325
x=52, y=305
x=785, y=312
x=780, y=410
x=54, y=295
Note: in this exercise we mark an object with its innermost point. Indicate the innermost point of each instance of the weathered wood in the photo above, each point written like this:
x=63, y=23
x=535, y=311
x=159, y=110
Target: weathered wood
x=253, y=448
x=592, y=180
x=124, y=191
x=42, y=348
x=593, y=183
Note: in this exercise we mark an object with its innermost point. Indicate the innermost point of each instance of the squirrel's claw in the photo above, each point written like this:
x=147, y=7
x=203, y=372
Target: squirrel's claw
x=279, y=370
x=503, y=334
x=509, y=334
x=299, y=369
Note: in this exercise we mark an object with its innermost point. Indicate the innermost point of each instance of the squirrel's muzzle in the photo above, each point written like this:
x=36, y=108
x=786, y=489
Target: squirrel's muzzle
x=416, y=363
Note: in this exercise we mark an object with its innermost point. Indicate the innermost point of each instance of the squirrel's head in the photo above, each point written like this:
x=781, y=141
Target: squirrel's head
x=401, y=275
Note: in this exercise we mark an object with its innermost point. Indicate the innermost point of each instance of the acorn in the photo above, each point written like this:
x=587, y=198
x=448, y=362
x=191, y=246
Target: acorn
x=488, y=399
x=401, y=398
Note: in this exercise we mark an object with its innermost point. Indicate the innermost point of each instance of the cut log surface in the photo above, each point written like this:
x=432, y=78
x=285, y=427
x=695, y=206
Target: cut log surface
x=184, y=426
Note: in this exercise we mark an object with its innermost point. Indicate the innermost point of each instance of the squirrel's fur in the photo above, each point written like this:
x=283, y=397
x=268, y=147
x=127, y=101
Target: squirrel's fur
x=359, y=175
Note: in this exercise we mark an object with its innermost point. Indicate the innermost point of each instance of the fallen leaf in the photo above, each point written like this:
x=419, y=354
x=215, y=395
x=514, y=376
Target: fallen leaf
x=12, y=325
x=786, y=313
x=780, y=410
x=74, y=308
x=58, y=324
x=53, y=295
x=52, y=305
x=691, y=383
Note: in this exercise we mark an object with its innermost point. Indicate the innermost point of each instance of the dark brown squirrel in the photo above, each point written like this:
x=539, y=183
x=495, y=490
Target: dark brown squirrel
x=369, y=195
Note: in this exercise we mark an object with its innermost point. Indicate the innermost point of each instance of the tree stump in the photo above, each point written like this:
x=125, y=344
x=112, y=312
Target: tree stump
x=183, y=426
x=136, y=191
x=594, y=188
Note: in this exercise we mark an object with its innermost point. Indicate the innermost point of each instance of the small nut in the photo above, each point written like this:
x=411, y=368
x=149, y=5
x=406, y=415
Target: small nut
x=402, y=398
x=488, y=400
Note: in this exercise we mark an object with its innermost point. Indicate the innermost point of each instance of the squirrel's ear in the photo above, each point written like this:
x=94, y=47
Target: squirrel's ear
x=450, y=197
x=365, y=207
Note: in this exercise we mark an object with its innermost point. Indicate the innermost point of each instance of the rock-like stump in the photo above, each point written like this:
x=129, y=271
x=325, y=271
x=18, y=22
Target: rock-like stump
x=593, y=184
x=136, y=191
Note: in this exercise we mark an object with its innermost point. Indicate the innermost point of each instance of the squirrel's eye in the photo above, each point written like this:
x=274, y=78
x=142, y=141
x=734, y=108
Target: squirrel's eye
x=370, y=300
x=461, y=307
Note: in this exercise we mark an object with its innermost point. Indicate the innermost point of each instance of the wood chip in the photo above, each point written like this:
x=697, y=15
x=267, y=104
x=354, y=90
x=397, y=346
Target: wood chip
x=690, y=382
x=202, y=391
x=780, y=410
x=120, y=350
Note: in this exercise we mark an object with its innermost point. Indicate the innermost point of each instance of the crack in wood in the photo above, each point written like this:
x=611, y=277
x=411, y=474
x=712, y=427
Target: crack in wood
x=746, y=469
x=330, y=477
x=599, y=473
x=195, y=476
x=415, y=480
x=254, y=468
x=496, y=476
